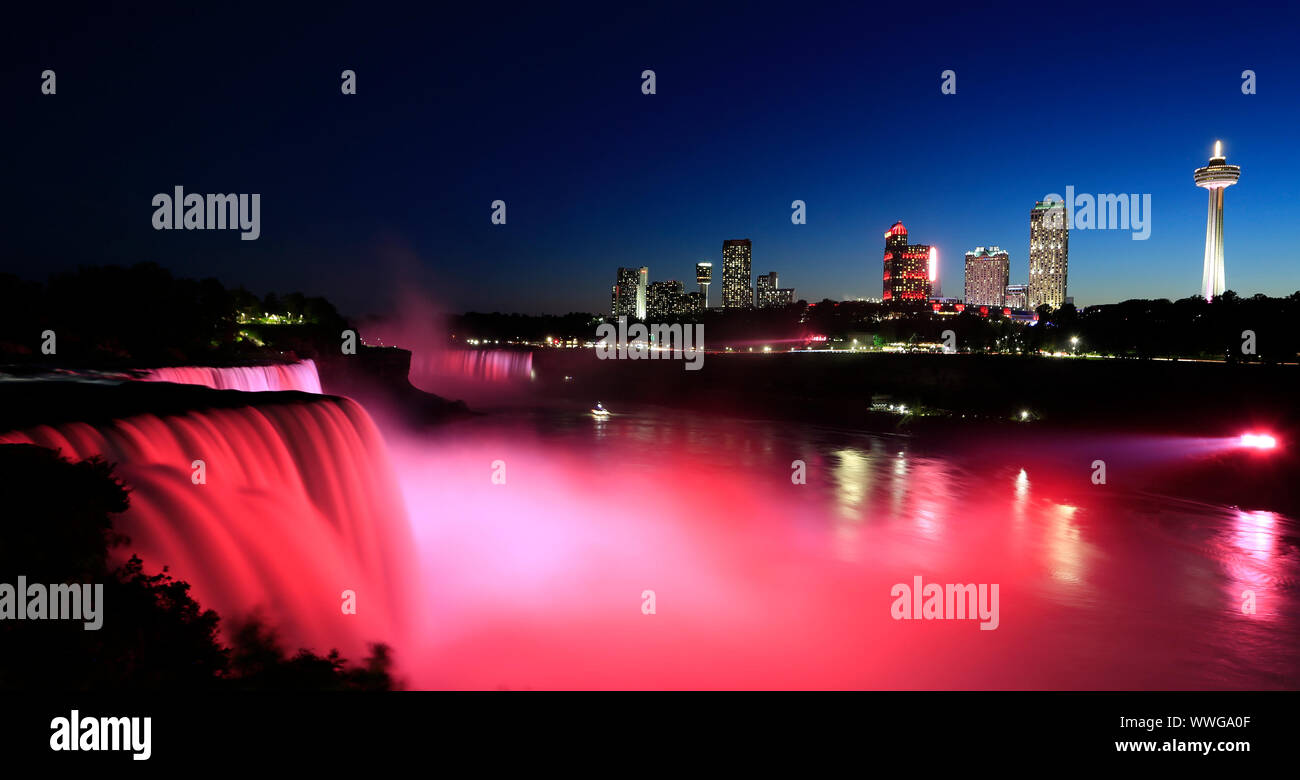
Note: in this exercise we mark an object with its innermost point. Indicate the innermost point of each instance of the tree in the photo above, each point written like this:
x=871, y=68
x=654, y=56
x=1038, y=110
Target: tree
x=57, y=527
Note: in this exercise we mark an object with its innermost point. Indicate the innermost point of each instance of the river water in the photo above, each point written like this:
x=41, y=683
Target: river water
x=544, y=576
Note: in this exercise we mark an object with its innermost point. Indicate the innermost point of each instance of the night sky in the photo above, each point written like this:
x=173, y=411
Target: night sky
x=390, y=189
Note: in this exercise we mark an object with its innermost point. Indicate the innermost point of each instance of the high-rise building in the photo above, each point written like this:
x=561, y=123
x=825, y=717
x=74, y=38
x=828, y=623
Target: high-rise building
x=1049, y=254
x=737, y=292
x=704, y=275
x=1216, y=177
x=643, y=277
x=1017, y=296
x=629, y=294
x=988, y=269
x=909, y=268
x=764, y=289
x=768, y=293
x=665, y=298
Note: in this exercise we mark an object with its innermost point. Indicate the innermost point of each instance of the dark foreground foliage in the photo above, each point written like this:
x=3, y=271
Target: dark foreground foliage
x=56, y=526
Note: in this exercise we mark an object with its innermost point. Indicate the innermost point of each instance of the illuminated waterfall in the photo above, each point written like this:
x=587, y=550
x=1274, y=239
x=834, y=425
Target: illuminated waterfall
x=298, y=504
x=299, y=376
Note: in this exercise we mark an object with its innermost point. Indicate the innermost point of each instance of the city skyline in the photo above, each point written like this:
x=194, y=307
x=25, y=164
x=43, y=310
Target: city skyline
x=1048, y=255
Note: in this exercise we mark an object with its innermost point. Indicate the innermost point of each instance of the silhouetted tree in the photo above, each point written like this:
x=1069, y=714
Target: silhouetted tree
x=56, y=527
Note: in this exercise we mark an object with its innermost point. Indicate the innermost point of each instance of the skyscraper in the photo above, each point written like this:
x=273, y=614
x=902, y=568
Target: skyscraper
x=1049, y=253
x=704, y=275
x=630, y=292
x=665, y=298
x=988, y=269
x=737, y=292
x=909, y=268
x=768, y=293
x=765, y=289
x=1216, y=177
x=642, y=280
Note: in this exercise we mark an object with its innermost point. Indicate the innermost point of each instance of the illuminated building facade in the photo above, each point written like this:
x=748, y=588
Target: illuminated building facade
x=1216, y=177
x=1017, y=296
x=737, y=292
x=1049, y=254
x=910, y=269
x=704, y=277
x=768, y=293
x=629, y=293
x=988, y=269
x=666, y=298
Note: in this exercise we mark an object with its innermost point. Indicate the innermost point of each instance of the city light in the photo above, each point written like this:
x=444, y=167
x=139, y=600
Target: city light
x=1258, y=441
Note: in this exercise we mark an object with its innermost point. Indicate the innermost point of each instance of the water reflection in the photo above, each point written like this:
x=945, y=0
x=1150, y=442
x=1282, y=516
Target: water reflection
x=766, y=583
x=1065, y=543
x=1253, y=538
x=851, y=474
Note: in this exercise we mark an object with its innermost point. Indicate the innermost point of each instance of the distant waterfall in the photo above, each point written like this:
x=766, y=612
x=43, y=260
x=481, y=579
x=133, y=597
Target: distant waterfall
x=485, y=365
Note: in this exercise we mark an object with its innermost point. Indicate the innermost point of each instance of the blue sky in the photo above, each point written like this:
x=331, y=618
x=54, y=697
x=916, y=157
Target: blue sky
x=756, y=106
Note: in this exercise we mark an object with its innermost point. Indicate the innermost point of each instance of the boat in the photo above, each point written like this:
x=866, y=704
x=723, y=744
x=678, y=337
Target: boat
x=599, y=410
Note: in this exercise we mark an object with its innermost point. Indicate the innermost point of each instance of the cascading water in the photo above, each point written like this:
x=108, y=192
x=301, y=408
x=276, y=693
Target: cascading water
x=299, y=504
x=299, y=376
x=486, y=365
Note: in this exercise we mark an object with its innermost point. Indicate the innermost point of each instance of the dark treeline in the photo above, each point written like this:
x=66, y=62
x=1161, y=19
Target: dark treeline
x=521, y=327
x=1188, y=328
x=142, y=315
x=57, y=527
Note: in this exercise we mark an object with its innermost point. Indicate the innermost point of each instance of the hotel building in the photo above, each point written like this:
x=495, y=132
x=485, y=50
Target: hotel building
x=988, y=269
x=1049, y=254
x=909, y=268
x=737, y=291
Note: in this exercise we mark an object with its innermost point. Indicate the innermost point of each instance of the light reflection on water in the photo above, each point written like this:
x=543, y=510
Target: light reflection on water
x=762, y=583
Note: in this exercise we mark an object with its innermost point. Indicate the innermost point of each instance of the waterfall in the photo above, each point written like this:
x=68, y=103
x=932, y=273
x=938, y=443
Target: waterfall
x=487, y=365
x=299, y=376
x=299, y=503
